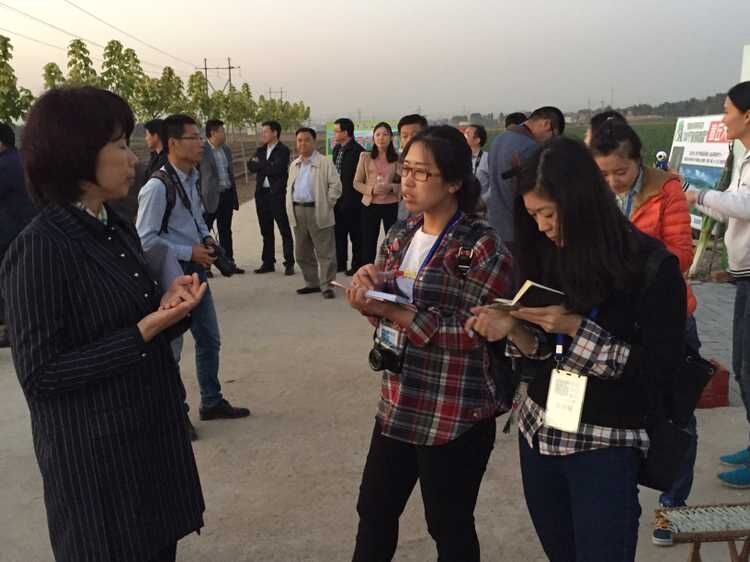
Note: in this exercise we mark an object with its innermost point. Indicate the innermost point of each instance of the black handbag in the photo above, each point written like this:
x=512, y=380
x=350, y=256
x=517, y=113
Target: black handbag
x=668, y=448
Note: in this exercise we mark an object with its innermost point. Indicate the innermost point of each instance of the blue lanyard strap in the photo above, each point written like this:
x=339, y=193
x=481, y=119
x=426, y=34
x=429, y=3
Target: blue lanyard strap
x=629, y=204
x=560, y=338
x=436, y=245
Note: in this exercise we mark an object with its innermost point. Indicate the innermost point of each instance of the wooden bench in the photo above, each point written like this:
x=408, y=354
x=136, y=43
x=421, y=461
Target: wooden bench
x=699, y=524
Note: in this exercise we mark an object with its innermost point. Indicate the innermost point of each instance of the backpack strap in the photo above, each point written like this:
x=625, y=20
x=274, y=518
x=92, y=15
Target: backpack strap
x=171, y=194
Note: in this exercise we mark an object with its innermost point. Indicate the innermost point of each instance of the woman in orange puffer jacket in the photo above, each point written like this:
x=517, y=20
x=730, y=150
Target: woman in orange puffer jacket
x=655, y=203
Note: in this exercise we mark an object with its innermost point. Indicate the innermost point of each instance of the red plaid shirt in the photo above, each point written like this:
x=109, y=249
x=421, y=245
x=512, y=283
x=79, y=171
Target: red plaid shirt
x=445, y=386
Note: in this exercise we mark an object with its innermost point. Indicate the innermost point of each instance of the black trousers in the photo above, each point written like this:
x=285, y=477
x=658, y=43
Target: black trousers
x=449, y=477
x=168, y=554
x=372, y=216
x=271, y=207
x=348, y=227
x=223, y=218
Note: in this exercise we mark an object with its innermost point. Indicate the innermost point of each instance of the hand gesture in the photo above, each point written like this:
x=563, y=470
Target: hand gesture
x=202, y=255
x=158, y=321
x=490, y=323
x=551, y=319
x=184, y=288
x=367, y=307
x=368, y=277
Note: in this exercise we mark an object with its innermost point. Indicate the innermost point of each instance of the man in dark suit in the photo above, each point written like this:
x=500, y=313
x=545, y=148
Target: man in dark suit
x=16, y=209
x=218, y=187
x=348, y=209
x=271, y=166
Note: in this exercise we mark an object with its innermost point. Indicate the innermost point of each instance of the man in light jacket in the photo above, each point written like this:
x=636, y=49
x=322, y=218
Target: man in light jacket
x=312, y=191
x=218, y=188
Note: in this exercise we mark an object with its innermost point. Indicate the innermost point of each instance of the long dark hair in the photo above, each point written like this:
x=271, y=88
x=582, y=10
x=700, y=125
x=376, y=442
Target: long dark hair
x=390, y=153
x=599, y=247
x=452, y=156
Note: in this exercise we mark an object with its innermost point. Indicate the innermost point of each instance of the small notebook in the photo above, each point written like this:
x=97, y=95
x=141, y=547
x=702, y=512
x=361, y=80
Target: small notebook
x=531, y=295
x=378, y=295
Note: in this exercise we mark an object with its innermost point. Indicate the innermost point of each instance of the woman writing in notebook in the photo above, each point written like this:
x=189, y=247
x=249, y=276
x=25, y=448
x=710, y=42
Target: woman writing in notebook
x=612, y=345
x=436, y=418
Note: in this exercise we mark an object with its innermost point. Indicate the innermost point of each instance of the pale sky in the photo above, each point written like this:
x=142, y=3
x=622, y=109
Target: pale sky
x=385, y=58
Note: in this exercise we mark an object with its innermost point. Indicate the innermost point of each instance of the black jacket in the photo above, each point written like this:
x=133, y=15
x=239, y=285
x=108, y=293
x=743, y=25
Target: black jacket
x=155, y=162
x=16, y=208
x=107, y=413
x=276, y=168
x=350, y=159
x=652, y=320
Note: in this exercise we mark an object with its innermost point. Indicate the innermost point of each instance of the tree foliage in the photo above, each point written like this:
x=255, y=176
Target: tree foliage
x=80, y=67
x=14, y=101
x=121, y=70
x=52, y=75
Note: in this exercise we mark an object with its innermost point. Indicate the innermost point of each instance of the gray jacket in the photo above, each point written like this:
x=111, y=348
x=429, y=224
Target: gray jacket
x=210, y=179
x=515, y=142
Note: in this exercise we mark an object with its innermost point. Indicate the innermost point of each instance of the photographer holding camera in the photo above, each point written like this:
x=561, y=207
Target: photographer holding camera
x=436, y=417
x=170, y=211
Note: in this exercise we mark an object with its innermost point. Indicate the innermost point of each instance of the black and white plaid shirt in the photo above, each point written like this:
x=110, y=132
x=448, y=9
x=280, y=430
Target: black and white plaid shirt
x=593, y=352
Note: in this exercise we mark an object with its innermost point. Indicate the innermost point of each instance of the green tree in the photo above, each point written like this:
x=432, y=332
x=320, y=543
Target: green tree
x=121, y=70
x=290, y=115
x=148, y=103
x=14, y=101
x=170, y=89
x=53, y=76
x=198, y=100
x=80, y=68
x=240, y=108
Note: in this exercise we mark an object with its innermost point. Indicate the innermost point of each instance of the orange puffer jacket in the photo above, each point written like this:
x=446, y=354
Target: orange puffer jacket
x=661, y=211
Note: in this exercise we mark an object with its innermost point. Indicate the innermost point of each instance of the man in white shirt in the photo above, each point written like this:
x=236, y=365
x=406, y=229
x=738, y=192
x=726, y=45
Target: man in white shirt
x=314, y=187
x=271, y=166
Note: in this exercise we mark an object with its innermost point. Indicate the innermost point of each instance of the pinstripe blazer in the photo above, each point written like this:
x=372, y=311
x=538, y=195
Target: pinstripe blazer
x=120, y=480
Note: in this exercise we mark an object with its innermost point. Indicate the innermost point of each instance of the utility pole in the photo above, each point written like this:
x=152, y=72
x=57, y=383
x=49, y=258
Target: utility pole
x=229, y=68
x=280, y=91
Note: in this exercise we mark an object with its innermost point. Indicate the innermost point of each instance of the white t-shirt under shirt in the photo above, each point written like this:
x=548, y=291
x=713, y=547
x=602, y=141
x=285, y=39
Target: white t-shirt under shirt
x=419, y=247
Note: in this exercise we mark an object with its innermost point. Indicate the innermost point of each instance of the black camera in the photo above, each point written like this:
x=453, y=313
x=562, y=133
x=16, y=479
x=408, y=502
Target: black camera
x=382, y=359
x=222, y=263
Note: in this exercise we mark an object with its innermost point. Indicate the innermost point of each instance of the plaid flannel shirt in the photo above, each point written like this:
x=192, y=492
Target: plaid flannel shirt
x=445, y=386
x=592, y=352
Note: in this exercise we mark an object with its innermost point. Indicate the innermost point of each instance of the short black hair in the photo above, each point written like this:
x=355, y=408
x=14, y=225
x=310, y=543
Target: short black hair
x=212, y=125
x=602, y=117
x=390, y=153
x=615, y=136
x=346, y=125
x=481, y=132
x=555, y=116
x=306, y=130
x=174, y=127
x=273, y=125
x=7, y=135
x=412, y=119
x=515, y=118
x=739, y=95
x=452, y=156
x=154, y=126
x=60, y=143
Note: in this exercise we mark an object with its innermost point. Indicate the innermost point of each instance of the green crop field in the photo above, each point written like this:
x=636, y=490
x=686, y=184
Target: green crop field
x=655, y=136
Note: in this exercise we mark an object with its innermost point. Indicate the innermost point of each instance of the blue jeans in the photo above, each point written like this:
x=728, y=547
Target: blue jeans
x=205, y=329
x=678, y=495
x=584, y=506
x=741, y=342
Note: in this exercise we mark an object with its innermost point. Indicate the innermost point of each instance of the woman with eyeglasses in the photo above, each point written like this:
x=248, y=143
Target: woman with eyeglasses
x=376, y=179
x=600, y=360
x=436, y=419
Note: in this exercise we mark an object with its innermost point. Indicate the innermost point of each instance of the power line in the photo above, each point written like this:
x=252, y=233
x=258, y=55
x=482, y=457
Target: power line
x=97, y=18
x=58, y=47
x=66, y=32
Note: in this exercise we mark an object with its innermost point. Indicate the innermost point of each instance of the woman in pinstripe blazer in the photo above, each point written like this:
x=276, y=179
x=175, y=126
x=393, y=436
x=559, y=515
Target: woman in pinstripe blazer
x=90, y=331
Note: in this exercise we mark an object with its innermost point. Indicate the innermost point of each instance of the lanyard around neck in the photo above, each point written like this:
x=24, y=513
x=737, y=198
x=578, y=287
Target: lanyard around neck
x=436, y=245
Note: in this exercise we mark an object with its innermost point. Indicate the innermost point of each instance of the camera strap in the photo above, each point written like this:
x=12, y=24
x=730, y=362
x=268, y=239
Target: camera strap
x=181, y=192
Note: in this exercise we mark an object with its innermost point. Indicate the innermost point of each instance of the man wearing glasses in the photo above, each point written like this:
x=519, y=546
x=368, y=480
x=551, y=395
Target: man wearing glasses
x=177, y=220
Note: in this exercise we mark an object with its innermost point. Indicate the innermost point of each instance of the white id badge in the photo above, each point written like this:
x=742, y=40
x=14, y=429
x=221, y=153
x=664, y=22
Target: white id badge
x=567, y=392
x=391, y=338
